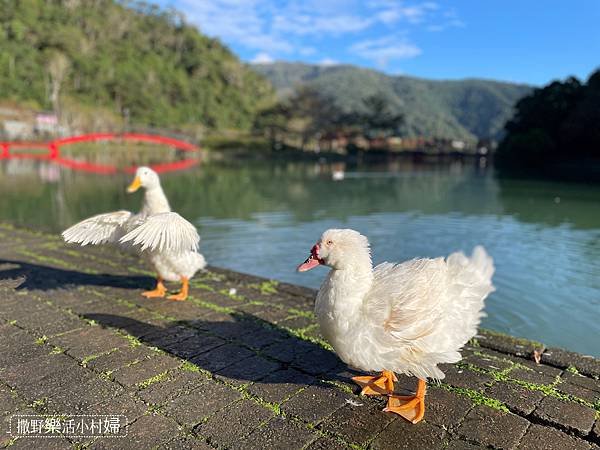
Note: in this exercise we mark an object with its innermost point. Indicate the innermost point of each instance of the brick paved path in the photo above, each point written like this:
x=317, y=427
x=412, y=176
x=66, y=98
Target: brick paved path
x=241, y=364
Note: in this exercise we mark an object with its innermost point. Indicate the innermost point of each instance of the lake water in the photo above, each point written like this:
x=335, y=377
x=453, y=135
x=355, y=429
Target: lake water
x=263, y=217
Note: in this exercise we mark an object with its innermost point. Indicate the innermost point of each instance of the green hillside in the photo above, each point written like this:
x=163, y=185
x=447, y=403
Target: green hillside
x=467, y=109
x=124, y=59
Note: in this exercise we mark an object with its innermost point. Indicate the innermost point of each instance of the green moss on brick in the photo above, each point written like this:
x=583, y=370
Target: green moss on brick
x=476, y=397
x=152, y=380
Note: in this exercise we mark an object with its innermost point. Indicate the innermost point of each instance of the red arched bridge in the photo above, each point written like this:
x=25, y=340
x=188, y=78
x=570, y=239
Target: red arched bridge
x=51, y=151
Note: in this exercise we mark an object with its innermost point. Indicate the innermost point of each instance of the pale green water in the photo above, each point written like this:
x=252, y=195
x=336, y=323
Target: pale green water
x=262, y=218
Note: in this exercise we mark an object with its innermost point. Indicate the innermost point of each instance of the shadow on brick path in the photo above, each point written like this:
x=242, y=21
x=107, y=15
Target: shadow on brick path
x=241, y=350
x=42, y=278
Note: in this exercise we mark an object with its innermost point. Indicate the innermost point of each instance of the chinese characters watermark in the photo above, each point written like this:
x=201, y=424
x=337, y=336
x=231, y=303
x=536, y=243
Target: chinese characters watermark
x=83, y=425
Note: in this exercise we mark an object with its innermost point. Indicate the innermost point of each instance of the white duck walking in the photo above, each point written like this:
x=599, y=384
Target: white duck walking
x=164, y=238
x=404, y=318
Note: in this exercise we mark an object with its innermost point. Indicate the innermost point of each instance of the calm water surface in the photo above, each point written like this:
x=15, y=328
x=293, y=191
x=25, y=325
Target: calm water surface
x=263, y=217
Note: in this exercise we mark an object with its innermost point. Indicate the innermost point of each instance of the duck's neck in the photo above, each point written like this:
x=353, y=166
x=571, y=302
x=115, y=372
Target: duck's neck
x=155, y=201
x=348, y=288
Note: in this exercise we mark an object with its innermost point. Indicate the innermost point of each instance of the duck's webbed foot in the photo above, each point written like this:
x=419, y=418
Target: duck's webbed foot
x=159, y=290
x=181, y=295
x=411, y=407
x=377, y=385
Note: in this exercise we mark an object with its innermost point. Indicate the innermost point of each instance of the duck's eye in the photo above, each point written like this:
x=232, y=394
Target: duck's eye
x=329, y=242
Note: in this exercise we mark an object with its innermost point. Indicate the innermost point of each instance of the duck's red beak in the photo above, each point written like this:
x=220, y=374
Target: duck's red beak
x=312, y=261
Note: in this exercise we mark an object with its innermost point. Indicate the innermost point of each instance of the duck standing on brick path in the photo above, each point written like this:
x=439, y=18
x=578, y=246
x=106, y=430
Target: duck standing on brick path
x=164, y=238
x=403, y=318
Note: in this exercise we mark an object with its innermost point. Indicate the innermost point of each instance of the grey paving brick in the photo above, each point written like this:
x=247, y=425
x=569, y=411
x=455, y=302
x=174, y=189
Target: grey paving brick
x=493, y=428
x=357, y=424
x=194, y=345
x=221, y=357
x=179, y=382
x=234, y=422
x=148, y=431
x=248, y=370
x=315, y=402
x=566, y=415
x=532, y=376
x=326, y=443
x=316, y=361
x=573, y=386
x=278, y=434
x=563, y=358
x=288, y=350
x=91, y=340
x=458, y=444
x=595, y=434
x=147, y=368
x=280, y=385
x=119, y=358
x=28, y=443
x=200, y=403
x=487, y=359
x=465, y=378
x=445, y=409
x=185, y=443
x=545, y=438
x=517, y=398
x=401, y=434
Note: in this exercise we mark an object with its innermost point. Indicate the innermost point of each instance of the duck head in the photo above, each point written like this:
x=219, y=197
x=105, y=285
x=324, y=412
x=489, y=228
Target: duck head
x=144, y=177
x=338, y=249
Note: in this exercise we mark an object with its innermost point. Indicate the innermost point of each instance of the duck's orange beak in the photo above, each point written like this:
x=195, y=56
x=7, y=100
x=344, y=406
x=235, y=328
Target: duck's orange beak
x=135, y=185
x=312, y=261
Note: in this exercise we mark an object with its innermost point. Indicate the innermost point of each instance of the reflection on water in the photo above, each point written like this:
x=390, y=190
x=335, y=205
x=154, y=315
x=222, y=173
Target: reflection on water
x=262, y=218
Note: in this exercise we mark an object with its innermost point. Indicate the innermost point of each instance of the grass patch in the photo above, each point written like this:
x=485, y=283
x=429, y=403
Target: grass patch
x=39, y=404
x=152, y=380
x=266, y=287
x=476, y=397
x=12, y=322
x=211, y=306
x=41, y=340
x=56, y=350
x=133, y=341
x=573, y=370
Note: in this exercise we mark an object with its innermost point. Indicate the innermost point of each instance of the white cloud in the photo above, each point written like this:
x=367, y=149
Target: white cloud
x=390, y=11
x=290, y=29
x=328, y=62
x=307, y=51
x=383, y=50
x=262, y=58
x=304, y=24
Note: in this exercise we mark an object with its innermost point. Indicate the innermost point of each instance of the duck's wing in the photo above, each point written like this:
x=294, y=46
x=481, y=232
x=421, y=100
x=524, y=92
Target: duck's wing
x=404, y=297
x=168, y=232
x=101, y=229
x=425, y=310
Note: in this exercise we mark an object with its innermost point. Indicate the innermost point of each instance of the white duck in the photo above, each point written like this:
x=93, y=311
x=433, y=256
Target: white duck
x=164, y=238
x=404, y=318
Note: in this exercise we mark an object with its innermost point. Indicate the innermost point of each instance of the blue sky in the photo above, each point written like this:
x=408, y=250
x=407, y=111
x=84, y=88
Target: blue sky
x=523, y=41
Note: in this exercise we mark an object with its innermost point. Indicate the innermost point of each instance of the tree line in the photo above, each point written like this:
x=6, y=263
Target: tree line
x=557, y=124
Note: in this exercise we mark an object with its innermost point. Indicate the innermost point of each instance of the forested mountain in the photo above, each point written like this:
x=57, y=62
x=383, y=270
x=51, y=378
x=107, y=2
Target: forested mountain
x=467, y=109
x=124, y=60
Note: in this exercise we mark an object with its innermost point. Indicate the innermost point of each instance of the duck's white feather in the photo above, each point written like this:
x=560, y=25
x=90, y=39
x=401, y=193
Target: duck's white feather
x=164, y=232
x=101, y=229
x=406, y=317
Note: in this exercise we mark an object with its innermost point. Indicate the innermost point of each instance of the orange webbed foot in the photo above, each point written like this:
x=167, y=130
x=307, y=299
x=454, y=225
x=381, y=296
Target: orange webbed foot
x=181, y=295
x=376, y=385
x=158, y=291
x=411, y=407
